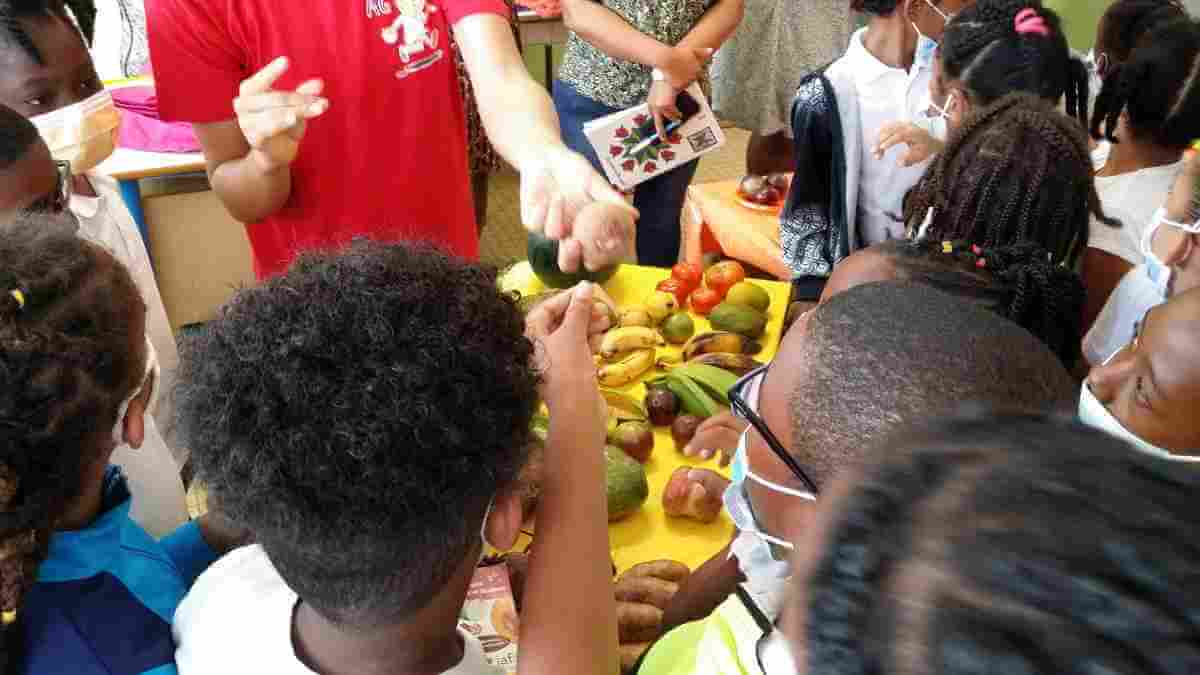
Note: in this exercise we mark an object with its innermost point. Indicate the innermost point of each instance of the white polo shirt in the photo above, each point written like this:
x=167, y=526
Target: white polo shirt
x=885, y=94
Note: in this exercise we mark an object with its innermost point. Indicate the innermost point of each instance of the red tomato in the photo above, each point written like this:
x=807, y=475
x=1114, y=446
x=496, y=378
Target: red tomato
x=691, y=275
x=723, y=275
x=704, y=299
x=676, y=288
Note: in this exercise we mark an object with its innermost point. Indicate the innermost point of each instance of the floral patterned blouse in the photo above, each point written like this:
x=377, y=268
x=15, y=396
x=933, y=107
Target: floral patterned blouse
x=621, y=84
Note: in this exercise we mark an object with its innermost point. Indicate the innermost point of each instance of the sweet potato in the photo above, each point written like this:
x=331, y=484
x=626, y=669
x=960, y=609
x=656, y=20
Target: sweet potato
x=638, y=622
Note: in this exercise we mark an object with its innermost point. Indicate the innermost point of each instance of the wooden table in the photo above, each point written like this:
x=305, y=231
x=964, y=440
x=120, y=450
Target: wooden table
x=547, y=32
x=129, y=167
x=649, y=534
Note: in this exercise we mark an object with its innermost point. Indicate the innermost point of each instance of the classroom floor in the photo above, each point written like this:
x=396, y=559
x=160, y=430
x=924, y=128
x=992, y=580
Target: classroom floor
x=503, y=238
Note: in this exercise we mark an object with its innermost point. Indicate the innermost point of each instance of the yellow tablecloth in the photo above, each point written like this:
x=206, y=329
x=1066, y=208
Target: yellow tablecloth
x=649, y=534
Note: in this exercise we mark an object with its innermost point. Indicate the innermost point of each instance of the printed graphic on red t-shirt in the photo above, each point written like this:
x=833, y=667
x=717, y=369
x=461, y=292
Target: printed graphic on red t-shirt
x=412, y=35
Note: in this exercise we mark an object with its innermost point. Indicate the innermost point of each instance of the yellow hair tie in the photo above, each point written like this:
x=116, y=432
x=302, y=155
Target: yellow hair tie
x=1196, y=144
x=947, y=247
x=9, y=616
x=18, y=296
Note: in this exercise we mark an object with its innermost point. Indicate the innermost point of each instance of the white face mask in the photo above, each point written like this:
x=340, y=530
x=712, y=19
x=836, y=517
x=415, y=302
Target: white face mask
x=1160, y=219
x=84, y=133
x=938, y=124
x=1140, y=290
x=151, y=380
x=1095, y=414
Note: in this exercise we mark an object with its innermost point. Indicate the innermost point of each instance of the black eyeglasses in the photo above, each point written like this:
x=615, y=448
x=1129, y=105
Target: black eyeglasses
x=740, y=407
x=60, y=199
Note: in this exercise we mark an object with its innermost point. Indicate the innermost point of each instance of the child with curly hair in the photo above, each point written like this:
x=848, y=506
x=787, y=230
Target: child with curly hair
x=366, y=415
x=83, y=589
x=49, y=78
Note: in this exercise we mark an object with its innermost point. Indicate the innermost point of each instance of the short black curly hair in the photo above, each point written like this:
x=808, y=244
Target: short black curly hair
x=357, y=414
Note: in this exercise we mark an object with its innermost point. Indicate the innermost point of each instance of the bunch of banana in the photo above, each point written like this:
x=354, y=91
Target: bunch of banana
x=628, y=338
x=626, y=369
x=719, y=341
x=702, y=389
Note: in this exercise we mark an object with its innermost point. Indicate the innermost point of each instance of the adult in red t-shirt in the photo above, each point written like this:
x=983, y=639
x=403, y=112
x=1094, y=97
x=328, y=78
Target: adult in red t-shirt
x=388, y=156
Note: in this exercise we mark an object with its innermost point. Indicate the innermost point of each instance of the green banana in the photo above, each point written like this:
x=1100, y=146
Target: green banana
x=716, y=381
x=692, y=397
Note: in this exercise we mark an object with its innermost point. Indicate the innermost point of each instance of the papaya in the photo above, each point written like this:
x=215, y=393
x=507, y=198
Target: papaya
x=543, y=260
x=738, y=319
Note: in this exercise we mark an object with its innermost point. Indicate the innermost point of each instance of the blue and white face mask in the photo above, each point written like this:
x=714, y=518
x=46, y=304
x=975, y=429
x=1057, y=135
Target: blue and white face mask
x=927, y=46
x=766, y=571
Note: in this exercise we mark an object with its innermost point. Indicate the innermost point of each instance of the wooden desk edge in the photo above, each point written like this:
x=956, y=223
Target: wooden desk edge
x=197, y=166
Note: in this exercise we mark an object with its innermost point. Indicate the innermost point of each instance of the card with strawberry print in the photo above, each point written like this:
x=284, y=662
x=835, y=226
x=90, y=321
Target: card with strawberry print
x=628, y=160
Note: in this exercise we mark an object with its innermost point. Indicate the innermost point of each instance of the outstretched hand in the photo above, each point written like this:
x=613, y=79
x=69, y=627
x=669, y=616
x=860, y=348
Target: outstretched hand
x=564, y=198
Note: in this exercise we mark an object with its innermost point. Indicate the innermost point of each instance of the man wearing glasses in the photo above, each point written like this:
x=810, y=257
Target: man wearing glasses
x=860, y=367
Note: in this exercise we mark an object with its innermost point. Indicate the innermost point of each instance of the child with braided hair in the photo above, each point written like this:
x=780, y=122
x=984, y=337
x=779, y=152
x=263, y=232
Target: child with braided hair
x=1008, y=543
x=83, y=589
x=991, y=49
x=1016, y=281
x=1016, y=171
x=1146, y=116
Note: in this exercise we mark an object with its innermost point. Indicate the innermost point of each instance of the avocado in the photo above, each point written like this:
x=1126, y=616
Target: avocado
x=738, y=319
x=626, y=482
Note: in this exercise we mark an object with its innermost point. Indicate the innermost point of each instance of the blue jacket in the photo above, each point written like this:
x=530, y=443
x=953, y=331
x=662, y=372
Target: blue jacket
x=105, y=596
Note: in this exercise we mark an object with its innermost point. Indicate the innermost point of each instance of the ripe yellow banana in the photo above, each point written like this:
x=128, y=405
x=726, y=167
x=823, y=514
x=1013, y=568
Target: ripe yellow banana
x=719, y=341
x=627, y=338
x=627, y=369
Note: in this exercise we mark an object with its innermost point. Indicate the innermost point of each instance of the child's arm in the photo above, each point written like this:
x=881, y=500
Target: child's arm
x=195, y=545
x=568, y=621
x=703, y=591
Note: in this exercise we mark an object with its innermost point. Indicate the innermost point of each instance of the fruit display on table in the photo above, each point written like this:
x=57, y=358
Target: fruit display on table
x=661, y=363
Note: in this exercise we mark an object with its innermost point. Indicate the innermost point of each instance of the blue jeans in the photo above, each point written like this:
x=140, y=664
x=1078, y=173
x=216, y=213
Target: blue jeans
x=659, y=199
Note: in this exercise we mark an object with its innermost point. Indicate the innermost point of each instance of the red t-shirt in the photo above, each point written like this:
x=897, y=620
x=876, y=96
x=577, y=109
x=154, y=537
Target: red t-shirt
x=389, y=157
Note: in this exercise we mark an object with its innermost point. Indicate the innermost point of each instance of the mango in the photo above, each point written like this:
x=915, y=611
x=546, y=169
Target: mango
x=738, y=319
